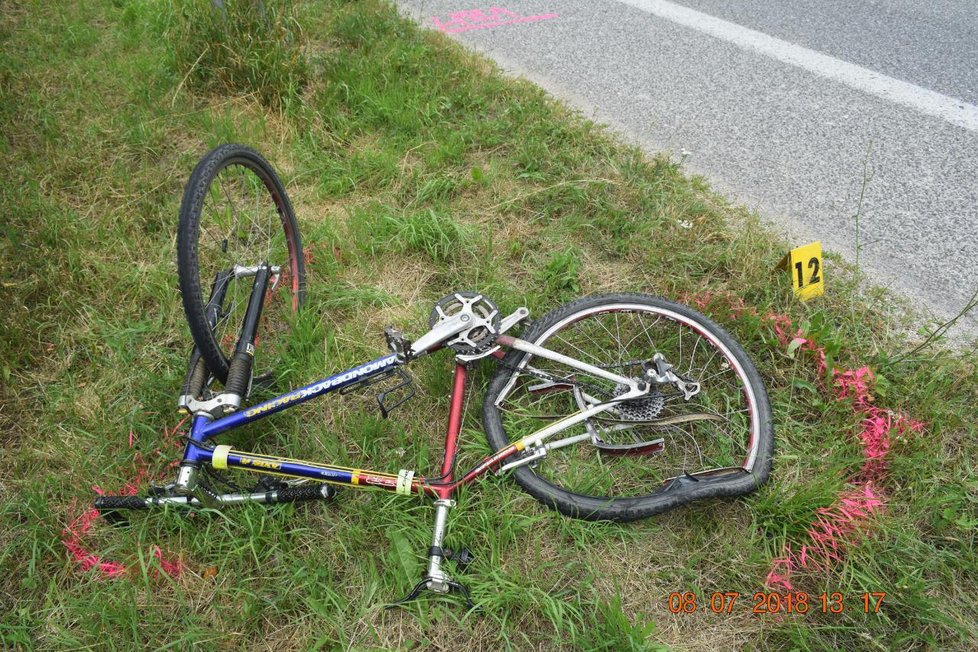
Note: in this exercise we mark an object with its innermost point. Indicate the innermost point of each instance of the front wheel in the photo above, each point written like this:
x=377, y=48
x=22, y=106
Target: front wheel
x=642, y=456
x=234, y=217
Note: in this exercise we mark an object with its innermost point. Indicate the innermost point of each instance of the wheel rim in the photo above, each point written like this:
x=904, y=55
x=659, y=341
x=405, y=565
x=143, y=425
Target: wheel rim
x=720, y=437
x=242, y=222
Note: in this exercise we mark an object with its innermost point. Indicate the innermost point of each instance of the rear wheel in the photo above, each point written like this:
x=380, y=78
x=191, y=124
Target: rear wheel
x=645, y=455
x=236, y=216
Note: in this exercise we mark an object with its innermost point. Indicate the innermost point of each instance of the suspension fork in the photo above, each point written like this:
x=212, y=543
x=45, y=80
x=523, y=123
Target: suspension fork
x=197, y=373
x=239, y=373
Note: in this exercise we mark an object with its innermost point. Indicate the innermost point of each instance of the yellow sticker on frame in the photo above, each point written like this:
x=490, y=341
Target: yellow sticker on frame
x=807, y=272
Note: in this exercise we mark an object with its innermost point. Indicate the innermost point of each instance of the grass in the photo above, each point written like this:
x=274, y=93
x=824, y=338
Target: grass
x=415, y=169
x=239, y=46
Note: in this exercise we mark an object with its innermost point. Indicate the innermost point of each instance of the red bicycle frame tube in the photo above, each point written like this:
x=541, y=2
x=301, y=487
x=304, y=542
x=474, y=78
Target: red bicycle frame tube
x=446, y=485
x=454, y=422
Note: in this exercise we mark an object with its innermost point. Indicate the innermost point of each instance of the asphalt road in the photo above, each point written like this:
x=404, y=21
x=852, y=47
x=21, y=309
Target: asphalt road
x=787, y=107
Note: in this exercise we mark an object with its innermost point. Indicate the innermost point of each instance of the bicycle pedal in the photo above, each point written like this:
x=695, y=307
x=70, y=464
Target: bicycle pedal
x=462, y=559
x=397, y=343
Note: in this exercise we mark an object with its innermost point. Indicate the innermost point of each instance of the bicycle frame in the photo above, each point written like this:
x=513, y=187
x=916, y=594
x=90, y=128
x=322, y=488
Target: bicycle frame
x=467, y=323
x=442, y=487
x=199, y=454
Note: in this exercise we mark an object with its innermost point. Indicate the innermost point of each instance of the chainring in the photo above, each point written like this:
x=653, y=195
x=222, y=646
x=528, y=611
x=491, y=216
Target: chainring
x=482, y=336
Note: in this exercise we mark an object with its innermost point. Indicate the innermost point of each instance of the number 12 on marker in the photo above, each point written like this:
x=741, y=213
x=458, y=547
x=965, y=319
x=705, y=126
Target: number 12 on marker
x=807, y=275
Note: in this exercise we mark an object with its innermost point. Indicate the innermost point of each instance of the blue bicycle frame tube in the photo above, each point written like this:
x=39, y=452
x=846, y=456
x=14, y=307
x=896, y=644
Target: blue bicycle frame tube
x=204, y=428
x=193, y=453
x=271, y=465
x=199, y=454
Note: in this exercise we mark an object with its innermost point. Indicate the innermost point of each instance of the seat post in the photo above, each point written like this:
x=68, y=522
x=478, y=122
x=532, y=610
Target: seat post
x=438, y=580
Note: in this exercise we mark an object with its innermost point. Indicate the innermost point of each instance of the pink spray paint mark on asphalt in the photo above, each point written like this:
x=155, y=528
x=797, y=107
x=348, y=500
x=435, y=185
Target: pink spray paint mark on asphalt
x=835, y=527
x=73, y=537
x=470, y=19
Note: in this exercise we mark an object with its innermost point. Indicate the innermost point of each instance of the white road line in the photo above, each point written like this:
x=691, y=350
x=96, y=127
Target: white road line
x=949, y=109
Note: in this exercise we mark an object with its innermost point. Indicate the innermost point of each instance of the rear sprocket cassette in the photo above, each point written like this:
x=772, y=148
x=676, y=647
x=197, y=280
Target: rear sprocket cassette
x=646, y=408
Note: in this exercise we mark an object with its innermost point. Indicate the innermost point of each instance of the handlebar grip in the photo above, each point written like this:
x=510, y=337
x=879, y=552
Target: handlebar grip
x=305, y=492
x=111, y=503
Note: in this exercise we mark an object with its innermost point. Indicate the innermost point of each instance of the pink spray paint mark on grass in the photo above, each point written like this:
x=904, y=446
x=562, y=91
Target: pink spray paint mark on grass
x=470, y=19
x=73, y=539
x=74, y=536
x=835, y=527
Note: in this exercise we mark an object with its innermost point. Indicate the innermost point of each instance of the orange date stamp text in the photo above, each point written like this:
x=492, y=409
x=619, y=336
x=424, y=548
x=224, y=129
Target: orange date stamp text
x=772, y=602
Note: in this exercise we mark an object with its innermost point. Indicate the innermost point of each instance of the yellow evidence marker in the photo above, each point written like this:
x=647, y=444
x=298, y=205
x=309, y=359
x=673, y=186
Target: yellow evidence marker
x=807, y=272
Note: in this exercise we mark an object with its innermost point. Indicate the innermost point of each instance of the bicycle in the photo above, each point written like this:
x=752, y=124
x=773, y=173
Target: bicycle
x=617, y=406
